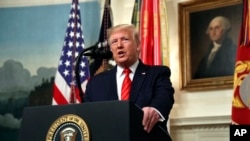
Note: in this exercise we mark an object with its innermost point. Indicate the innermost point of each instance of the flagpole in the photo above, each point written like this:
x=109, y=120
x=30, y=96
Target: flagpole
x=72, y=86
x=102, y=64
x=105, y=20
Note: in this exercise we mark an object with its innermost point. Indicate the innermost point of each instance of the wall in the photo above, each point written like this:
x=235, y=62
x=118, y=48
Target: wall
x=197, y=116
x=192, y=104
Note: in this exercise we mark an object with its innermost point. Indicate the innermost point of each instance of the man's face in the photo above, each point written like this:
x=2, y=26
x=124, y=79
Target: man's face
x=124, y=48
x=215, y=31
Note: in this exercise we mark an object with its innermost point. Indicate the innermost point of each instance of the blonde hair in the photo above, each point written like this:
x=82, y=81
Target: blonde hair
x=129, y=27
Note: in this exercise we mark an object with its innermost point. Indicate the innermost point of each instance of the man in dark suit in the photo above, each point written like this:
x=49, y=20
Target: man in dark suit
x=151, y=88
x=220, y=58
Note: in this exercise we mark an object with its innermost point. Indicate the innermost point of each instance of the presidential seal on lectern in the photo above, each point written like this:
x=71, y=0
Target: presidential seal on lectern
x=68, y=127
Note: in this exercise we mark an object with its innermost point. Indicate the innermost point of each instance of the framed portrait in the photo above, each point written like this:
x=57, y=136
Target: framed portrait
x=208, y=33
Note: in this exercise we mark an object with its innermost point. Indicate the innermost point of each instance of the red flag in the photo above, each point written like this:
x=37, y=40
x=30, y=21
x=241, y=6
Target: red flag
x=150, y=32
x=241, y=97
x=71, y=78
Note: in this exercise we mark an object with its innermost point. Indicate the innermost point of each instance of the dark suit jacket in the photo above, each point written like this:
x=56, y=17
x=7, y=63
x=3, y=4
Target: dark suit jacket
x=222, y=64
x=151, y=86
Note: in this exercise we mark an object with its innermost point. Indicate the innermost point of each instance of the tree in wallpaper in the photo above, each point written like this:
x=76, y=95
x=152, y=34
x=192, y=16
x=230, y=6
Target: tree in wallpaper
x=31, y=40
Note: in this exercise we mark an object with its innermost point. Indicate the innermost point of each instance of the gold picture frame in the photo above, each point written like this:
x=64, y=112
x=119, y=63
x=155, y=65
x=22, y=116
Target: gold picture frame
x=194, y=18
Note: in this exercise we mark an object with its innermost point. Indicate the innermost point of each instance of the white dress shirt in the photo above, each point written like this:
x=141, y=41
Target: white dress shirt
x=119, y=79
x=213, y=53
x=120, y=76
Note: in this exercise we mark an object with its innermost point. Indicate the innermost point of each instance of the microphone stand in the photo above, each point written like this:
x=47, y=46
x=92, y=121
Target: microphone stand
x=78, y=78
x=95, y=48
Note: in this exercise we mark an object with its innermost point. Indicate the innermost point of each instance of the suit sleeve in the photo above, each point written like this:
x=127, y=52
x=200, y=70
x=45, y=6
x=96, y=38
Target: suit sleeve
x=163, y=91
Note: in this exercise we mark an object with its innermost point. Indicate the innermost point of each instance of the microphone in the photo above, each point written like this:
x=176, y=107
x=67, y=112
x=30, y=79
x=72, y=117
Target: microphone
x=97, y=45
x=99, y=50
x=104, y=54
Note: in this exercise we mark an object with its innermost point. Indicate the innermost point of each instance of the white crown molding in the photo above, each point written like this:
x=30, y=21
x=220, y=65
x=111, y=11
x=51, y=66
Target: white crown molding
x=23, y=3
x=209, y=120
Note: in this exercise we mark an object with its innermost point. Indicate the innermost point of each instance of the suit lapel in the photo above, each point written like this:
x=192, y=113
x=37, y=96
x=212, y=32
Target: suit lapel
x=140, y=75
x=112, y=86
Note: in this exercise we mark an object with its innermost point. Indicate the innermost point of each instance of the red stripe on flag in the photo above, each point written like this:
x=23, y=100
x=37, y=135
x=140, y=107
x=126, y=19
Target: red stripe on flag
x=78, y=97
x=58, y=97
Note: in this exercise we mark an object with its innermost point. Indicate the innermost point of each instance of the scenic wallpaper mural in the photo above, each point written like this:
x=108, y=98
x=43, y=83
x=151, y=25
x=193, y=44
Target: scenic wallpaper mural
x=31, y=40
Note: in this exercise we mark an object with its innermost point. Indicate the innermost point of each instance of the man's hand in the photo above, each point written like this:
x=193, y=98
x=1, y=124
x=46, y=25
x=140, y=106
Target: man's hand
x=150, y=118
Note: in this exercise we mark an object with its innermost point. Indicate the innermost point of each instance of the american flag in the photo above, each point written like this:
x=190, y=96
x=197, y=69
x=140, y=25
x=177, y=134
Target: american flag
x=69, y=85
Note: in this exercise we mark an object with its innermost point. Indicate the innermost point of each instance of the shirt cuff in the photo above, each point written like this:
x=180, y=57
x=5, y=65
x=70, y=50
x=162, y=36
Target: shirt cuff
x=161, y=117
